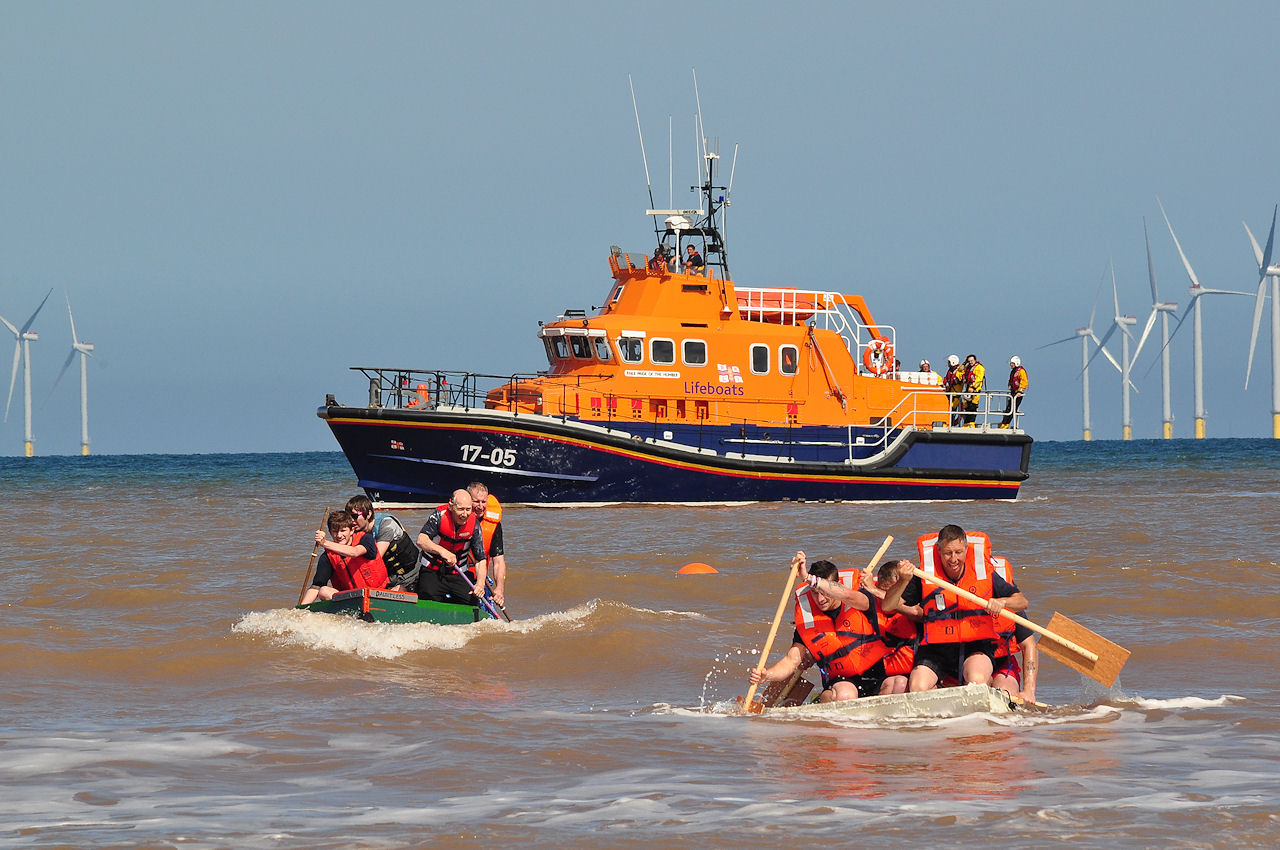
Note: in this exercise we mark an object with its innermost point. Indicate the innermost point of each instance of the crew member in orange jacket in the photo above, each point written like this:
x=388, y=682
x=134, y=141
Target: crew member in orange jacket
x=348, y=562
x=959, y=637
x=843, y=638
x=488, y=511
x=451, y=541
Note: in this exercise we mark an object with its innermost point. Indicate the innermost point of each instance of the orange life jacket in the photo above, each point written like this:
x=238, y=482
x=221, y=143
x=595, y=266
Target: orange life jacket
x=357, y=572
x=947, y=617
x=901, y=634
x=847, y=644
x=456, y=540
x=489, y=521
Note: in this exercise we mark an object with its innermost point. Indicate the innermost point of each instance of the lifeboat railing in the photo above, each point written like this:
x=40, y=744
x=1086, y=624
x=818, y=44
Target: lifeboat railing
x=418, y=389
x=825, y=309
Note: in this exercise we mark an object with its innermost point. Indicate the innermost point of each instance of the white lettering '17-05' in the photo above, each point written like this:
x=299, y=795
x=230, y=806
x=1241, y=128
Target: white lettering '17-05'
x=496, y=456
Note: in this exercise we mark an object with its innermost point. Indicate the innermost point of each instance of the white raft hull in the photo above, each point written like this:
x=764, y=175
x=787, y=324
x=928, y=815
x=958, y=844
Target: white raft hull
x=943, y=702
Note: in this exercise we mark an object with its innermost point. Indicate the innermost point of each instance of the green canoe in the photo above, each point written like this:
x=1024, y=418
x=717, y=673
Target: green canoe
x=388, y=606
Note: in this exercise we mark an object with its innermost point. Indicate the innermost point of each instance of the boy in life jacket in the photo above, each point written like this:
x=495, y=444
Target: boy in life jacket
x=842, y=638
x=395, y=547
x=349, y=562
x=1018, y=680
x=488, y=511
x=959, y=638
x=451, y=541
x=900, y=629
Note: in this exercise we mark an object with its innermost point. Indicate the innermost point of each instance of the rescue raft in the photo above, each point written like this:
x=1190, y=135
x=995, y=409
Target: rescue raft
x=941, y=702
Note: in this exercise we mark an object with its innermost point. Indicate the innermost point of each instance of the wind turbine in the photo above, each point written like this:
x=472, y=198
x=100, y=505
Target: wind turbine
x=1161, y=309
x=1084, y=335
x=85, y=350
x=1122, y=323
x=1193, y=309
x=1267, y=269
x=22, y=350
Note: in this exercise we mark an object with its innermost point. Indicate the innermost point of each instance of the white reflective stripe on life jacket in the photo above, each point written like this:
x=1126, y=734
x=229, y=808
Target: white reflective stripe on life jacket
x=804, y=599
x=977, y=545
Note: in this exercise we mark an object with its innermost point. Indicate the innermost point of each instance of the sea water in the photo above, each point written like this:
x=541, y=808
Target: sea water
x=158, y=688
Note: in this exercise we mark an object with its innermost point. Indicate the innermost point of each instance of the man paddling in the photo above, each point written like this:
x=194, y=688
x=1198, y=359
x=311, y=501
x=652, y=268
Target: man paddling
x=488, y=511
x=395, y=547
x=842, y=637
x=451, y=541
x=350, y=561
x=959, y=638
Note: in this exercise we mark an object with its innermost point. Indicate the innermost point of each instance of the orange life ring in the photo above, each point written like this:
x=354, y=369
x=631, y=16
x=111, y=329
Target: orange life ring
x=877, y=356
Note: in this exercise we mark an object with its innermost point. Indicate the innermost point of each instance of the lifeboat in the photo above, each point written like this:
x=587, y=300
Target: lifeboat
x=686, y=388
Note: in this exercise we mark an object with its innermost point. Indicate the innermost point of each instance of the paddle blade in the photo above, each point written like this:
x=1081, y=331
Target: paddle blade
x=783, y=694
x=756, y=706
x=1111, y=657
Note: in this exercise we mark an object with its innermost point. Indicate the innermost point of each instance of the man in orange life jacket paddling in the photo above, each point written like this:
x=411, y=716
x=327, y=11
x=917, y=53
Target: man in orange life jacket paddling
x=348, y=563
x=842, y=638
x=959, y=638
x=488, y=511
x=451, y=537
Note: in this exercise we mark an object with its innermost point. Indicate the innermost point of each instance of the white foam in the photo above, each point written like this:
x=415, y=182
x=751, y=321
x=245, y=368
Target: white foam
x=1183, y=702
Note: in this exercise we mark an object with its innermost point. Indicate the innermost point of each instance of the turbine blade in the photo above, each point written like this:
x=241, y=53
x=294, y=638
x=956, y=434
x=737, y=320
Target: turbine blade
x=1257, y=249
x=37, y=312
x=66, y=363
x=1191, y=273
x=1105, y=352
x=1102, y=347
x=1071, y=338
x=1151, y=321
x=8, y=324
x=13, y=379
x=1115, y=295
x=1151, y=269
x=74, y=339
x=1257, y=319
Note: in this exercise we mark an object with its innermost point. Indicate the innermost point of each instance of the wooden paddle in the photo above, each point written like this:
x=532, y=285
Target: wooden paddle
x=1091, y=654
x=311, y=564
x=748, y=702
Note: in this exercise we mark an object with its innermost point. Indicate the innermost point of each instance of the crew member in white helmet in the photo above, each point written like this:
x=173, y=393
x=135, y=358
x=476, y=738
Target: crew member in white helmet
x=953, y=383
x=930, y=376
x=1018, y=384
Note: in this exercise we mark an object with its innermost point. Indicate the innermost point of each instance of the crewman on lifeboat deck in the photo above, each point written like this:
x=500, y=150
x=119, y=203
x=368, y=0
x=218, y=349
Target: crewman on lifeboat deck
x=451, y=541
x=693, y=263
x=953, y=383
x=974, y=378
x=959, y=637
x=658, y=262
x=1018, y=384
x=348, y=563
x=843, y=639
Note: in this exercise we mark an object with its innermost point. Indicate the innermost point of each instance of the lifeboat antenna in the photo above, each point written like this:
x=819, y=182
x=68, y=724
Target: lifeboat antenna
x=643, y=156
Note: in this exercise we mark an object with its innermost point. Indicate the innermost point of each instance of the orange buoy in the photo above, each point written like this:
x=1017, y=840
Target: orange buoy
x=696, y=569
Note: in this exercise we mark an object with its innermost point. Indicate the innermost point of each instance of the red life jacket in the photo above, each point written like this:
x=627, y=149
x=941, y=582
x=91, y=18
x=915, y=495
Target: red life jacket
x=848, y=644
x=901, y=634
x=947, y=617
x=358, y=571
x=456, y=540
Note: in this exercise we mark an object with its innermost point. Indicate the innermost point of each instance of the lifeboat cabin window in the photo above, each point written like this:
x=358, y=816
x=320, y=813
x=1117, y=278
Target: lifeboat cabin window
x=695, y=352
x=631, y=349
x=662, y=351
x=561, y=348
x=581, y=347
x=788, y=358
x=603, y=352
x=759, y=359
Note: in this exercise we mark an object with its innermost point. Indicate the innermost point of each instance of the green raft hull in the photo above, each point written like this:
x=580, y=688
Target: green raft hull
x=387, y=606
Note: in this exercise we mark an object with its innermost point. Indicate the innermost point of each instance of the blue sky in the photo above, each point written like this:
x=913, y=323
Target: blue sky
x=244, y=199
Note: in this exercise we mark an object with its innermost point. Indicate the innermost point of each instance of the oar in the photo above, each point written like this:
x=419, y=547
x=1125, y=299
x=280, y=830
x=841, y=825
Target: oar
x=1091, y=654
x=791, y=683
x=310, y=564
x=748, y=702
x=489, y=583
x=475, y=591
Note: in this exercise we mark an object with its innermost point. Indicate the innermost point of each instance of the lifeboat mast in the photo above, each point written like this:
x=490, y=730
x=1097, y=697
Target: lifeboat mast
x=697, y=224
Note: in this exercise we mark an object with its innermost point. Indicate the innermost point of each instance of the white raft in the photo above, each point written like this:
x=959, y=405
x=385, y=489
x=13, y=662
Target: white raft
x=943, y=702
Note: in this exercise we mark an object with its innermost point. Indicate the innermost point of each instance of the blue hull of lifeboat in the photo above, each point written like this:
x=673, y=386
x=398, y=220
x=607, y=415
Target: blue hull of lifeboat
x=421, y=457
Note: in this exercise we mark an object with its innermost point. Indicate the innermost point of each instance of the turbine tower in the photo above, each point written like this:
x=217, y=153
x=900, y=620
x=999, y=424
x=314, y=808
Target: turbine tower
x=1193, y=309
x=23, y=338
x=1268, y=269
x=1161, y=309
x=85, y=350
x=1123, y=323
x=1084, y=335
